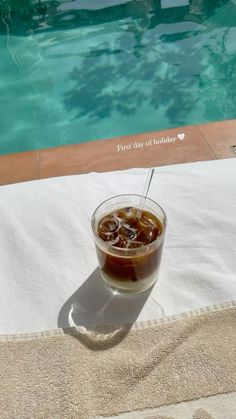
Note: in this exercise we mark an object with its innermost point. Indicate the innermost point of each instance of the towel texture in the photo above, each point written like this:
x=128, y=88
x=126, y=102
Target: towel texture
x=180, y=367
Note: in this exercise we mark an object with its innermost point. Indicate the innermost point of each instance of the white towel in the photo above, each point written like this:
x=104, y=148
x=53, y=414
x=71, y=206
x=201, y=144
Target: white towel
x=47, y=251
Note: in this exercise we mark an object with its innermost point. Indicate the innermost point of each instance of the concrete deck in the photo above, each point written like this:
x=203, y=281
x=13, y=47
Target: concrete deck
x=179, y=145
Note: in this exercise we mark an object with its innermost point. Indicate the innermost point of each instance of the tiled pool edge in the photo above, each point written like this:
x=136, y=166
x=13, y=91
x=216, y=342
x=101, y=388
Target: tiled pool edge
x=179, y=145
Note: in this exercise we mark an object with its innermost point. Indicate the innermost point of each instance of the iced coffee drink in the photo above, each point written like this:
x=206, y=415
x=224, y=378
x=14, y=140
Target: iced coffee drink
x=129, y=242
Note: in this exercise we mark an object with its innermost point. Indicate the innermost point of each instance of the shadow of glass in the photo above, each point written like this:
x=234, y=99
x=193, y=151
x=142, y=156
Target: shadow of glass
x=97, y=316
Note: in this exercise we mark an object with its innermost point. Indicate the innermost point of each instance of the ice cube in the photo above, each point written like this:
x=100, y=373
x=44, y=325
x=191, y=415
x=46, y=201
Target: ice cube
x=114, y=241
x=148, y=235
x=130, y=212
x=147, y=221
x=120, y=214
x=127, y=232
x=108, y=225
x=122, y=242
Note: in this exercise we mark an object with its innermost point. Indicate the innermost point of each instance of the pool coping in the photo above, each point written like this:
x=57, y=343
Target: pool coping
x=184, y=144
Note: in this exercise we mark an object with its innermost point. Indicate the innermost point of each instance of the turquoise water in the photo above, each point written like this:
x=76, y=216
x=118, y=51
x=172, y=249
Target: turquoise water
x=84, y=70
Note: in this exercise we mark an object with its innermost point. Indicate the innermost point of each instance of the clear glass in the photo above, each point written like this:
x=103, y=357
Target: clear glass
x=131, y=270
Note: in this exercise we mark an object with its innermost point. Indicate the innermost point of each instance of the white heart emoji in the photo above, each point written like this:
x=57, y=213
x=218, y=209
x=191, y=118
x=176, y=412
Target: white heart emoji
x=181, y=136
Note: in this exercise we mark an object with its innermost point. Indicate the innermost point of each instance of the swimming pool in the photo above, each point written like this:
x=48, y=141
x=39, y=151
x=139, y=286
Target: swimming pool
x=75, y=71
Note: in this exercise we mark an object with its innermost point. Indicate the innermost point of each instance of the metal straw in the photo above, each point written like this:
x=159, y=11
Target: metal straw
x=145, y=191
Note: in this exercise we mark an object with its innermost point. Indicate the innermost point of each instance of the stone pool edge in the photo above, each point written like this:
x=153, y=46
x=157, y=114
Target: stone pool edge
x=157, y=148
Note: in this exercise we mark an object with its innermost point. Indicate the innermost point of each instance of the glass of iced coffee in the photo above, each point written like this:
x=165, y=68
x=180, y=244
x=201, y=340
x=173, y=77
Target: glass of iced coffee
x=129, y=242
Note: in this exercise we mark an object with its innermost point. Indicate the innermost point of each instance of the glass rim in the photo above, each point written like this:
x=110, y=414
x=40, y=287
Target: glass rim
x=131, y=250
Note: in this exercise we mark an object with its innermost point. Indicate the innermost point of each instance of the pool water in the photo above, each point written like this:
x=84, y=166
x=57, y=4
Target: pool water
x=77, y=71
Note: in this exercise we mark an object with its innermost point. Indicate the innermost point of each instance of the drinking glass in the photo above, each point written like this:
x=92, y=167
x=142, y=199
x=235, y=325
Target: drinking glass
x=129, y=270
